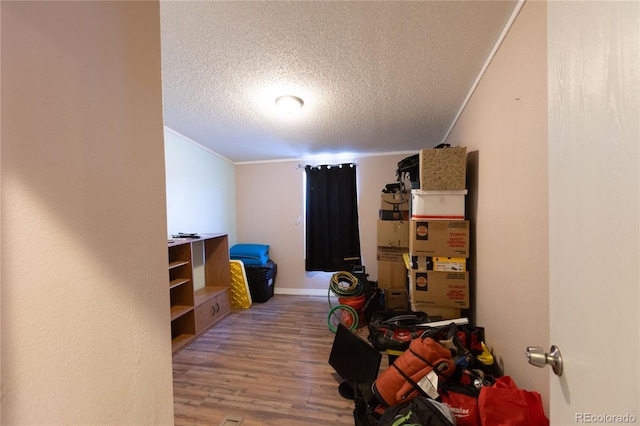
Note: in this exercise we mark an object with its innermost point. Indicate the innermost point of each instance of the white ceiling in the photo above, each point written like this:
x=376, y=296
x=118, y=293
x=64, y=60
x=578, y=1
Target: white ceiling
x=375, y=76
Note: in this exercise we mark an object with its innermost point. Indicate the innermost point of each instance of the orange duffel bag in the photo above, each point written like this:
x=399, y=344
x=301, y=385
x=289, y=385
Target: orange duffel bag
x=399, y=382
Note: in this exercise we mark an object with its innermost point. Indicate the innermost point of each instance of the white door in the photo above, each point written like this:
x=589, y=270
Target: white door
x=594, y=222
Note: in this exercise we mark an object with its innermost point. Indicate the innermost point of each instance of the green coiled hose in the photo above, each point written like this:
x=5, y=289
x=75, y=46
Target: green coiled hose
x=343, y=284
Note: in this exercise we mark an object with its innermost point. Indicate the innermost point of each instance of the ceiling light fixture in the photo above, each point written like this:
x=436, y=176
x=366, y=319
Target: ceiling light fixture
x=289, y=103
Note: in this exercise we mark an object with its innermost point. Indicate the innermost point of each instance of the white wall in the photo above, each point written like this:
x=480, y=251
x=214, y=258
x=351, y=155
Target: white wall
x=505, y=127
x=270, y=210
x=84, y=315
x=200, y=188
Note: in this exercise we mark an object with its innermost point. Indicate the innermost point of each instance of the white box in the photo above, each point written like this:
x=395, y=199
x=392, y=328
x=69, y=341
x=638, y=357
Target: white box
x=438, y=204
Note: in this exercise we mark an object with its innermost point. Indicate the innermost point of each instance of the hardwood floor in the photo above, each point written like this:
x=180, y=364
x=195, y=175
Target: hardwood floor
x=267, y=364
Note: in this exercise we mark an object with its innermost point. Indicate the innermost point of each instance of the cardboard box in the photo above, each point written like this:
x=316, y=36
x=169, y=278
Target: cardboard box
x=439, y=263
x=396, y=299
x=392, y=254
x=421, y=262
x=392, y=275
x=436, y=313
x=438, y=205
x=439, y=238
x=392, y=270
x=443, y=289
x=443, y=168
x=449, y=264
x=393, y=233
x=395, y=200
x=393, y=215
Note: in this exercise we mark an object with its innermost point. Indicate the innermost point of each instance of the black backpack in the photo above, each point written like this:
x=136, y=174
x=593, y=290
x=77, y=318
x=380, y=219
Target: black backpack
x=419, y=410
x=408, y=167
x=367, y=410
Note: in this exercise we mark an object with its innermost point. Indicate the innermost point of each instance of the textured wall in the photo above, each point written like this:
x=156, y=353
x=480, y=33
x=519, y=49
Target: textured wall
x=85, y=320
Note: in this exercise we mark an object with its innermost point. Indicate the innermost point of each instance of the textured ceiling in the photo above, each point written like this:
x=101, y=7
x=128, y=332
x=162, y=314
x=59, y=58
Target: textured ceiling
x=375, y=76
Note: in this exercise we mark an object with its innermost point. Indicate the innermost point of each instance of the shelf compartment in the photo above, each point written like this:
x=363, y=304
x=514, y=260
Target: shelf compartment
x=181, y=341
x=207, y=293
x=182, y=330
x=182, y=295
x=217, y=272
x=178, y=281
x=178, y=263
x=179, y=310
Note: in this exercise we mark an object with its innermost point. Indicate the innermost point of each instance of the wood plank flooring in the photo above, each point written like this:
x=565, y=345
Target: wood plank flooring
x=267, y=364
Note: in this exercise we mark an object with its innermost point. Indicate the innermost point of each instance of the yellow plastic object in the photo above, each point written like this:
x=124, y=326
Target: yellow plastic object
x=407, y=260
x=240, y=295
x=485, y=357
x=394, y=352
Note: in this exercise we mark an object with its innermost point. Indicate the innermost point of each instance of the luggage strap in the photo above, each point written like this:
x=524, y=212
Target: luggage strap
x=435, y=369
x=411, y=382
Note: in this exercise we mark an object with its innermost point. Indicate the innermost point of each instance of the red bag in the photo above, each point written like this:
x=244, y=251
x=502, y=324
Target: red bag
x=462, y=400
x=503, y=404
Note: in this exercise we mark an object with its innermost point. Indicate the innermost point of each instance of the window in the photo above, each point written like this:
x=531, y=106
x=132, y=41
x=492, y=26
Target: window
x=332, y=232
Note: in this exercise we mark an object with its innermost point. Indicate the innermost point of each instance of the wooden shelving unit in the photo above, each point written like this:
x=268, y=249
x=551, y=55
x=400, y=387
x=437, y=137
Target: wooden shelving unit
x=199, y=286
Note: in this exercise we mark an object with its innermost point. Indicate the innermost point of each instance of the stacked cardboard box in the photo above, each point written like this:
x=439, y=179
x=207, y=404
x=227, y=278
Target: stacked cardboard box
x=393, y=243
x=439, y=235
x=394, y=205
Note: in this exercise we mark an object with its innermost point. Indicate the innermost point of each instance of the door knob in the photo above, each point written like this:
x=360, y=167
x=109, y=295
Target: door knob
x=539, y=358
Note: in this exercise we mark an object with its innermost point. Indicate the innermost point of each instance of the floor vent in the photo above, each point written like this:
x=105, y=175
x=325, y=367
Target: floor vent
x=231, y=421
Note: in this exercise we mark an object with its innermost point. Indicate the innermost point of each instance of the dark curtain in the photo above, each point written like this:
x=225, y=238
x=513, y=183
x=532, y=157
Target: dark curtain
x=332, y=233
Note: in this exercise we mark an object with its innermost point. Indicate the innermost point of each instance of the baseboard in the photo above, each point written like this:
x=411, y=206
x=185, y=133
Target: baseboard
x=301, y=291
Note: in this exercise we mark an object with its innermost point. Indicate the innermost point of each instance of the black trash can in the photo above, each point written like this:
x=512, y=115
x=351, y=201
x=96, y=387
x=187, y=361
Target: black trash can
x=262, y=280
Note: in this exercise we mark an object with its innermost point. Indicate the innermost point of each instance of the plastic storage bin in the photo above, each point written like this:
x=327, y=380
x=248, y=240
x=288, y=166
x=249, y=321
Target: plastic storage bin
x=262, y=280
x=437, y=205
